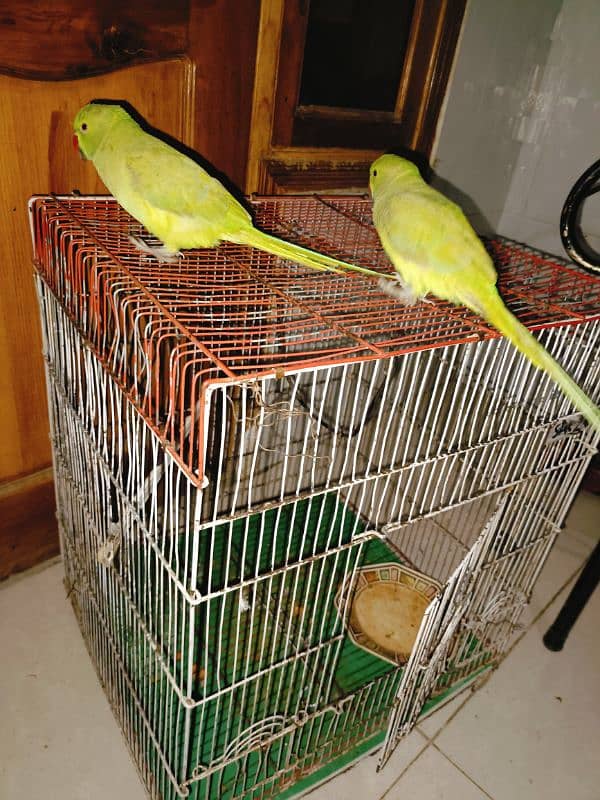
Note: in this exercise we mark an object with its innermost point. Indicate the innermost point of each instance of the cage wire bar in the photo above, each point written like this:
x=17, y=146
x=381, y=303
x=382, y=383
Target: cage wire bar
x=240, y=442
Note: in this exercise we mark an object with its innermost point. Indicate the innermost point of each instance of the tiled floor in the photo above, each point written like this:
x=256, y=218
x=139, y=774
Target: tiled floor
x=532, y=731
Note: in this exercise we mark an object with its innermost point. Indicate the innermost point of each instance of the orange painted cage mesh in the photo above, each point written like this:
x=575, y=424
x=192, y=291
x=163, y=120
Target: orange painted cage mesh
x=168, y=331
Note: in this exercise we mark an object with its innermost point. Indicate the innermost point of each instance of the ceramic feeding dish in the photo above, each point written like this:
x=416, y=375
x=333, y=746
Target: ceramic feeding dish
x=388, y=603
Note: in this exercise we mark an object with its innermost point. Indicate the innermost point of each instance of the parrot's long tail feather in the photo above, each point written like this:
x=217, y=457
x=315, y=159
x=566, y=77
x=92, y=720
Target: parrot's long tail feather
x=302, y=255
x=495, y=312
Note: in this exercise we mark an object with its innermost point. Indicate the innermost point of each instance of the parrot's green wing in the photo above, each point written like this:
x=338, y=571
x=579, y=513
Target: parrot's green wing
x=430, y=241
x=177, y=191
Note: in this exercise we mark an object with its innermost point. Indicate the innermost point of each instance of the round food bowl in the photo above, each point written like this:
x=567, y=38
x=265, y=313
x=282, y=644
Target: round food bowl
x=387, y=605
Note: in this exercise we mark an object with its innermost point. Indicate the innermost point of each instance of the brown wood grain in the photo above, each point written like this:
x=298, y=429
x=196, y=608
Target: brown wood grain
x=263, y=97
x=278, y=121
x=38, y=157
x=222, y=46
x=289, y=71
x=28, y=526
x=43, y=46
x=66, y=39
x=293, y=170
x=434, y=51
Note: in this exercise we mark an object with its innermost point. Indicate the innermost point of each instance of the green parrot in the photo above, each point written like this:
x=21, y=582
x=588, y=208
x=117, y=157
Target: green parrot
x=172, y=195
x=435, y=250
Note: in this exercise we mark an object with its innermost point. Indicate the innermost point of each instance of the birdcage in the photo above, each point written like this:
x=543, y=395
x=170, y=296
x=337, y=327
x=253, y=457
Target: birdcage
x=294, y=514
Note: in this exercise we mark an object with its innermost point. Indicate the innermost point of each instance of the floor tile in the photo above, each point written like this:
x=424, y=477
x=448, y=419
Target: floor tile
x=438, y=718
x=570, y=551
x=433, y=777
x=584, y=514
x=362, y=780
x=533, y=730
x=58, y=737
x=563, y=562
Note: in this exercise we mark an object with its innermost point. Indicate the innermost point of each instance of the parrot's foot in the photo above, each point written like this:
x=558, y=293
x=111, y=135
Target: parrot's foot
x=398, y=290
x=160, y=253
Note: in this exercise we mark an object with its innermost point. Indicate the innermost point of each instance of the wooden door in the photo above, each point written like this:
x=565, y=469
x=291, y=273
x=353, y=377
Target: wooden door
x=37, y=157
x=339, y=83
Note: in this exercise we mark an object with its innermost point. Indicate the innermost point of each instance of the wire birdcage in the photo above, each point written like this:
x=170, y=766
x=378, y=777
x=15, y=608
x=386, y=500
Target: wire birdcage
x=259, y=467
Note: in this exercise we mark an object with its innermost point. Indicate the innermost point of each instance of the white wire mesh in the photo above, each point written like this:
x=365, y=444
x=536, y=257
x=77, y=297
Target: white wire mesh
x=208, y=605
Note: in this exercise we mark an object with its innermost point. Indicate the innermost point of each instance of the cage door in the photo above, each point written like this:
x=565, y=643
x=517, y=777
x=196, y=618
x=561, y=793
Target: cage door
x=429, y=657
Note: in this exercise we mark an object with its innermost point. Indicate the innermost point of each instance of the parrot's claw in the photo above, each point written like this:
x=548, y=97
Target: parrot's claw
x=160, y=253
x=398, y=290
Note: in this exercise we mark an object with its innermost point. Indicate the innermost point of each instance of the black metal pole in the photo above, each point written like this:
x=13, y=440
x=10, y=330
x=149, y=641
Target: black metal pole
x=557, y=633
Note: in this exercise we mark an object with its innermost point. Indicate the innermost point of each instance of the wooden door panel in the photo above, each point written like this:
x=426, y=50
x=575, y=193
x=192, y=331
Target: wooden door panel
x=296, y=147
x=38, y=157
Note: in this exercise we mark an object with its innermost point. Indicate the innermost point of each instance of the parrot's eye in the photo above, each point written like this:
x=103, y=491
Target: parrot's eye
x=374, y=173
x=84, y=126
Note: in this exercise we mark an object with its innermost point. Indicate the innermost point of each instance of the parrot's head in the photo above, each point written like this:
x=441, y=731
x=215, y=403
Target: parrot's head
x=92, y=123
x=390, y=169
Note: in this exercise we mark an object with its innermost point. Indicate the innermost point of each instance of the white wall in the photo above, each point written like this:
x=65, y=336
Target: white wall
x=522, y=116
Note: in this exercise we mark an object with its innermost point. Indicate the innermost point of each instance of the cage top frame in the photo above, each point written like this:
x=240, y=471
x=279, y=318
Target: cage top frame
x=167, y=333
x=253, y=314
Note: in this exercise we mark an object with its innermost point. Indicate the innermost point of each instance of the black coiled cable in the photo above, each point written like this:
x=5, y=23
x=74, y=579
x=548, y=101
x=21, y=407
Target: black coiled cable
x=573, y=238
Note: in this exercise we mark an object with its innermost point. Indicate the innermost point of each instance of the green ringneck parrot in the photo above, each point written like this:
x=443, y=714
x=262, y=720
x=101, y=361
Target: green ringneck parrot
x=435, y=250
x=172, y=195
